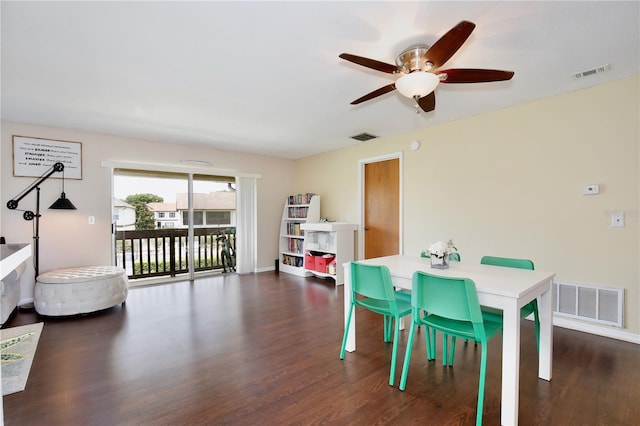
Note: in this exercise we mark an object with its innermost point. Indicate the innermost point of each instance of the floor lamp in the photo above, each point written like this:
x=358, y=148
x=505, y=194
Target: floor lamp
x=61, y=203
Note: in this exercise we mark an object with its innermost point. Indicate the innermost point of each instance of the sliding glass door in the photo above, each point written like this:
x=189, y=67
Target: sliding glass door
x=168, y=224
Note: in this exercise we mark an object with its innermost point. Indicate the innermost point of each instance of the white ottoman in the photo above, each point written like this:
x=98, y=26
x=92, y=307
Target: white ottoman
x=81, y=290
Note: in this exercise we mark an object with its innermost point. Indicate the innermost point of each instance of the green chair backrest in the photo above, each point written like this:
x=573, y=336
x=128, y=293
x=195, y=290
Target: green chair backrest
x=372, y=281
x=507, y=262
x=453, y=298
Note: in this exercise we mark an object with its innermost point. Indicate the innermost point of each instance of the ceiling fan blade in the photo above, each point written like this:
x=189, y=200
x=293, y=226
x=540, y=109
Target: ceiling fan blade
x=471, y=75
x=448, y=44
x=370, y=63
x=428, y=103
x=381, y=91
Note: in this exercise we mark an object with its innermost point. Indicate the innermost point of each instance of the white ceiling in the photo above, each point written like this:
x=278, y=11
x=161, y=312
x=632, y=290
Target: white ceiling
x=265, y=77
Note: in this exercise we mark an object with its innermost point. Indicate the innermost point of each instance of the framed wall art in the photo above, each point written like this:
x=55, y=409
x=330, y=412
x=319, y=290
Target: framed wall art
x=32, y=157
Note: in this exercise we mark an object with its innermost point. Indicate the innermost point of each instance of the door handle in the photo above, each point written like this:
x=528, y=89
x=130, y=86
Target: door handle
x=366, y=228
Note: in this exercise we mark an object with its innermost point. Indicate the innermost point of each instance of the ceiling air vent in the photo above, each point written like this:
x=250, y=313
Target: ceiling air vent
x=362, y=137
x=593, y=71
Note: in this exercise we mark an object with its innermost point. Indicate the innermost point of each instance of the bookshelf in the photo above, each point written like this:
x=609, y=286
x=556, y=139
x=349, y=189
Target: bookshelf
x=298, y=209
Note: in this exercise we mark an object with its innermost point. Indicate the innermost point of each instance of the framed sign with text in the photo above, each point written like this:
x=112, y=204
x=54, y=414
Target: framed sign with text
x=32, y=157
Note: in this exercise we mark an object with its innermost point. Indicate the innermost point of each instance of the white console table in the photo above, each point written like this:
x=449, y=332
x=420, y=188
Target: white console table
x=12, y=255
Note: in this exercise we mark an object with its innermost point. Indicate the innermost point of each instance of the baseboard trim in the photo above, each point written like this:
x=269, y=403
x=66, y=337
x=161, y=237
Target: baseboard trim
x=25, y=301
x=597, y=330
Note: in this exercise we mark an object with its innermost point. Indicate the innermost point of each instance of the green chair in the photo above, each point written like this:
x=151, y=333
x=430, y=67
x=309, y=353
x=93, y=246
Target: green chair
x=453, y=309
x=371, y=288
x=528, y=309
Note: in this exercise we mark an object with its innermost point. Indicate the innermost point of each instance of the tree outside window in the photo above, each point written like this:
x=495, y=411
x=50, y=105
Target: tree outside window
x=144, y=216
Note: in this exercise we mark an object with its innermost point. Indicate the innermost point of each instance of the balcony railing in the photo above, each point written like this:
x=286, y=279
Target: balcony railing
x=165, y=252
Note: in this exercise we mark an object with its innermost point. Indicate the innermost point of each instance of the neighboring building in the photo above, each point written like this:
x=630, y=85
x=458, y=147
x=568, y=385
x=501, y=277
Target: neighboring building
x=165, y=215
x=124, y=215
x=214, y=209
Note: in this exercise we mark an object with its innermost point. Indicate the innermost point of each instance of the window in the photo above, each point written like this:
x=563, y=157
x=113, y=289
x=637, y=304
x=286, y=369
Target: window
x=198, y=218
x=161, y=215
x=218, y=218
x=172, y=215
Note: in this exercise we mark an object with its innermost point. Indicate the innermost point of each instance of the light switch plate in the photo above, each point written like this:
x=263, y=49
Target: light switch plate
x=590, y=189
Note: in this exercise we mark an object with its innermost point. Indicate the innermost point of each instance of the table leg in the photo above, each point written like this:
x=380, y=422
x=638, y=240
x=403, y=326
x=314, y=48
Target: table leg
x=510, y=363
x=351, y=337
x=545, y=311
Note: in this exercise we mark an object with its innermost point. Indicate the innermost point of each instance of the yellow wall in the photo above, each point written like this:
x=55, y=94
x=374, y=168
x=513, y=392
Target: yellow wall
x=509, y=183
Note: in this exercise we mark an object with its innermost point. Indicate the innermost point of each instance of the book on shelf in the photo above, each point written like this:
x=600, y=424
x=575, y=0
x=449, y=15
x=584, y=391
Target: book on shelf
x=292, y=260
x=296, y=246
x=298, y=212
x=293, y=229
x=300, y=198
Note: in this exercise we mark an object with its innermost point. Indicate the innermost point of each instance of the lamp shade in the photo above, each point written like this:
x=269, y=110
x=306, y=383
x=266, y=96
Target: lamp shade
x=417, y=83
x=62, y=203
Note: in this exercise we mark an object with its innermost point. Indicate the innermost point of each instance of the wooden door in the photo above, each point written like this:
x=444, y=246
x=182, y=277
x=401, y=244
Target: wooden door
x=381, y=208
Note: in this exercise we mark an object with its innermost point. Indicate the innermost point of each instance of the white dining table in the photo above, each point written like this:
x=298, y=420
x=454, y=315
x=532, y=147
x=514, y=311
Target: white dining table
x=504, y=288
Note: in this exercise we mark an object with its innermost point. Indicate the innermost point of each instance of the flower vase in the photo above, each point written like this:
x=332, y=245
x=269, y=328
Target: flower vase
x=440, y=262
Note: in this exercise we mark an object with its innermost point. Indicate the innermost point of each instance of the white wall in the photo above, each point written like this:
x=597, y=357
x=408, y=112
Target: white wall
x=509, y=183
x=66, y=238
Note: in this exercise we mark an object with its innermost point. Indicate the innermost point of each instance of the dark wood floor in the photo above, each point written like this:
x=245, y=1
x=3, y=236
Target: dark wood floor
x=263, y=349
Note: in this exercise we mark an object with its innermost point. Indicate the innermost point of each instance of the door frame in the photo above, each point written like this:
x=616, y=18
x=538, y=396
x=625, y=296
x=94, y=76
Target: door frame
x=361, y=168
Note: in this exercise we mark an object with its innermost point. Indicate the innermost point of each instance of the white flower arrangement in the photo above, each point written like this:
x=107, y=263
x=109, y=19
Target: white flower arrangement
x=441, y=249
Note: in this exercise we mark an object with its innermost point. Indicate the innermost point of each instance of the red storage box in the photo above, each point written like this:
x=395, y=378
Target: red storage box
x=322, y=263
x=309, y=262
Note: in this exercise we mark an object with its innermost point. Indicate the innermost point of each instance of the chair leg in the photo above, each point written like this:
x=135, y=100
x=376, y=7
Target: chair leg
x=346, y=331
x=536, y=318
x=384, y=328
x=483, y=373
x=445, y=344
x=453, y=350
x=394, y=353
x=427, y=341
x=388, y=328
x=407, y=356
x=431, y=335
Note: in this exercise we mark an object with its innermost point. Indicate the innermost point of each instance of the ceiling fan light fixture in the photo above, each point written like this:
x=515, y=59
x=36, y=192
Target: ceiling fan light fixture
x=417, y=83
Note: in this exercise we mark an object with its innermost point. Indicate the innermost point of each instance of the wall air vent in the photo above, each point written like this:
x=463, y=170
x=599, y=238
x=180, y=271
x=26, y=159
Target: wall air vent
x=590, y=72
x=604, y=305
x=362, y=137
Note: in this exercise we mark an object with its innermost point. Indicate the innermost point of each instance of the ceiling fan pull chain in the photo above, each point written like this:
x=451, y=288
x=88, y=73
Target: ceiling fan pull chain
x=416, y=98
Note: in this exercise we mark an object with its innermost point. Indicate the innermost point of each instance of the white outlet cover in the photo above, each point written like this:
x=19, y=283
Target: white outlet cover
x=617, y=219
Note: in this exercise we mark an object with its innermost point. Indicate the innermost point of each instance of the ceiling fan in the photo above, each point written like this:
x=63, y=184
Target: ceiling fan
x=418, y=66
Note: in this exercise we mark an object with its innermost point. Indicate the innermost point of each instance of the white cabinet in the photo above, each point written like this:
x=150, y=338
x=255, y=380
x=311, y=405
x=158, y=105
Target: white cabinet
x=298, y=210
x=330, y=238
